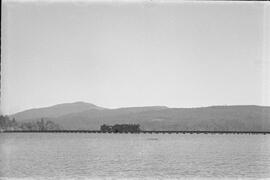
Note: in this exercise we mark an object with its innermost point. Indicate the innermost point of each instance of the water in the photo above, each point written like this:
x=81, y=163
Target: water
x=170, y=156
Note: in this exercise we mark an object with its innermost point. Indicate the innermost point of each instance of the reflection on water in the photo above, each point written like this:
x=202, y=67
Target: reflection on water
x=133, y=156
x=153, y=139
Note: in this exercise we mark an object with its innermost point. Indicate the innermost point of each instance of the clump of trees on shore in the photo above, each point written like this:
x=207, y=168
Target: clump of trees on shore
x=121, y=128
x=6, y=124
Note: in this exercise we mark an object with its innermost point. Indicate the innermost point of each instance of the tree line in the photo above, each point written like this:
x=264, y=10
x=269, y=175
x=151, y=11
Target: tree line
x=7, y=124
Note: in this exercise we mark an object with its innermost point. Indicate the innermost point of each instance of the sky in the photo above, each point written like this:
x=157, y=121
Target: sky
x=118, y=54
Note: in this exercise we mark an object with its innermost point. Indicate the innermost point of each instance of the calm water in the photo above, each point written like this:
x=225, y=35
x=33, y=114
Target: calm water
x=171, y=156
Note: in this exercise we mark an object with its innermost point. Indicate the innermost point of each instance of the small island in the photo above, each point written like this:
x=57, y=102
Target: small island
x=120, y=128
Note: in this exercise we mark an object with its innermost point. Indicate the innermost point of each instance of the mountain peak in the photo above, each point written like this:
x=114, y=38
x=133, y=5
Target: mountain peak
x=55, y=110
x=77, y=104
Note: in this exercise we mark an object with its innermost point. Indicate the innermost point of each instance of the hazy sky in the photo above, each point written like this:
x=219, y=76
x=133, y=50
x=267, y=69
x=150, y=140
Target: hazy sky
x=185, y=54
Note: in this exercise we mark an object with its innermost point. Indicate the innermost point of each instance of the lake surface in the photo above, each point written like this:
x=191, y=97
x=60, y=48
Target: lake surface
x=135, y=156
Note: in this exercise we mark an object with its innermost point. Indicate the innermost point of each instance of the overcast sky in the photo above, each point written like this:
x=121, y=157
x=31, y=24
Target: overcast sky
x=185, y=54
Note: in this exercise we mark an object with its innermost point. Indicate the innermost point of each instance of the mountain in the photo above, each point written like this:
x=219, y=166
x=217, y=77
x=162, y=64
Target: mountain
x=218, y=118
x=55, y=111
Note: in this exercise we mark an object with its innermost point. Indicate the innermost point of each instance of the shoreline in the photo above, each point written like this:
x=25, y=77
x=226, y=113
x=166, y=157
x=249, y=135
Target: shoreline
x=140, y=132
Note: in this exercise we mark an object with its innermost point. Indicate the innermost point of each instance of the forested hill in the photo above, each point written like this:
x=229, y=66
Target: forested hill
x=214, y=118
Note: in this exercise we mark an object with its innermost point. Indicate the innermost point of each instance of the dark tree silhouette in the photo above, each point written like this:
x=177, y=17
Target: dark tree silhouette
x=42, y=125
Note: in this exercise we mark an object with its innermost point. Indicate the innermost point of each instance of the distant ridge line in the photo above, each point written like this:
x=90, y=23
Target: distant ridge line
x=129, y=107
